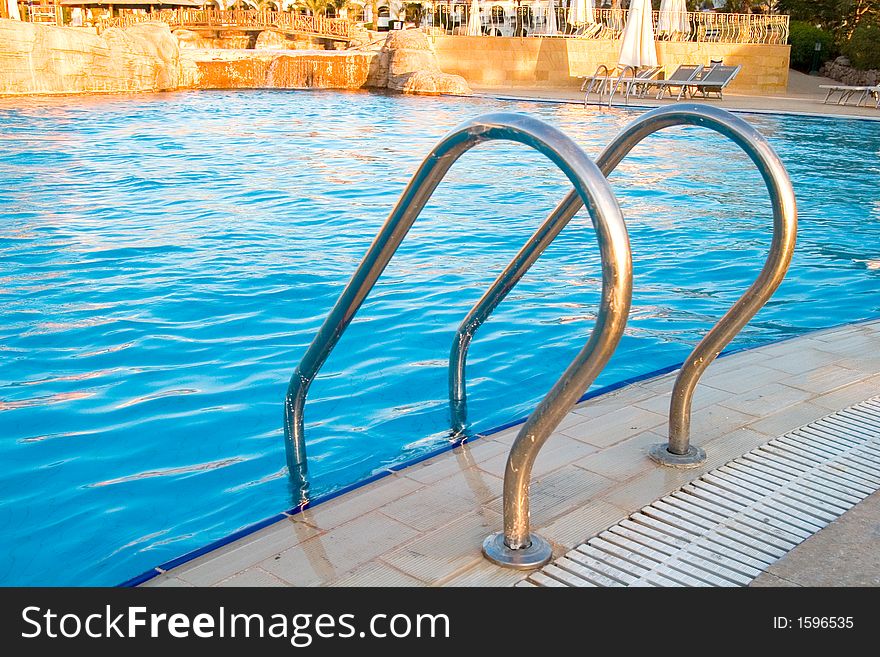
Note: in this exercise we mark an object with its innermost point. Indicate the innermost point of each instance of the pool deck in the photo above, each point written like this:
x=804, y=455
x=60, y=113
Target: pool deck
x=424, y=525
x=803, y=96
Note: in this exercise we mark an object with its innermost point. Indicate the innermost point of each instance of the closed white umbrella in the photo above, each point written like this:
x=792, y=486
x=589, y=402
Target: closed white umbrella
x=637, y=46
x=475, y=27
x=580, y=12
x=12, y=5
x=550, y=27
x=673, y=17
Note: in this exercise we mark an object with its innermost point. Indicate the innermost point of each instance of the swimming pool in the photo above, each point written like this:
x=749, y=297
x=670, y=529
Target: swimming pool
x=166, y=259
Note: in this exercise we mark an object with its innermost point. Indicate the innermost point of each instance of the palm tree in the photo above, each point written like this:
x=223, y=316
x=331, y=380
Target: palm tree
x=316, y=7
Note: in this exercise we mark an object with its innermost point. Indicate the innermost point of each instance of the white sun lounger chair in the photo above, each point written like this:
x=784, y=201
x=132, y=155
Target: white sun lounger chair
x=846, y=92
x=680, y=78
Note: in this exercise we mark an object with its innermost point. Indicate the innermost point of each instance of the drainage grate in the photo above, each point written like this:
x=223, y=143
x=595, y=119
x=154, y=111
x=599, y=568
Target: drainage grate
x=729, y=525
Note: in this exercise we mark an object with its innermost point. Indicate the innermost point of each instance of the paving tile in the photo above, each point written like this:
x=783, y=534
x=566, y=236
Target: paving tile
x=614, y=428
x=704, y=396
x=867, y=364
x=644, y=489
x=362, y=500
x=612, y=402
x=443, y=553
x=788, y=419
x=750, y=357
x=559, y=450
x=714, y=421
x=834, y=335
x=624, y=460
x=584, y=522
x=376, y=573
x=481, y=450
x=802, y=359
x=340, y=550
x=240, y=555
x=660, y=384
x=507, y=436
x=741, y=379
x=766, y=399
x=733, y=445
x=558, y=492
x=434, y=506
x=824, y=379
x=165, y=580
x=848, y=395
x=485, y=573
x=850, y=346
x=252, y=577
x=795, y=347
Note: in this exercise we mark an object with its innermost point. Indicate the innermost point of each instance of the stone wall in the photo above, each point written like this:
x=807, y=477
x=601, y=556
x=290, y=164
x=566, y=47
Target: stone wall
x=511, y=61
x=40, y=59
x=842, y=70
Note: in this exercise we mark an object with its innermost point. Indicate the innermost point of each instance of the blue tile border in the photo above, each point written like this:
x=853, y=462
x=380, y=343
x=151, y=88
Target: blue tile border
x=612, y=387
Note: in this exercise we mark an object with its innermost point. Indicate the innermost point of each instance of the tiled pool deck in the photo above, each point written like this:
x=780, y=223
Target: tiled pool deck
x=424, y=525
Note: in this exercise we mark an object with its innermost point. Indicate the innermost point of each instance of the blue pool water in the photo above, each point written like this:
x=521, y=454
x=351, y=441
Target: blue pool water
x=165, y=260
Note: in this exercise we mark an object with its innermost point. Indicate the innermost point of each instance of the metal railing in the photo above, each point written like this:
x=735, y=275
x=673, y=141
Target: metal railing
x=257, y=19
x=516, y=546
x=591, y=188
x=530, y=20
x=678, y=452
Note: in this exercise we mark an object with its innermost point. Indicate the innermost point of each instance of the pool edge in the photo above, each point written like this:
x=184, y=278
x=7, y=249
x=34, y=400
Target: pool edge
x=155, y=571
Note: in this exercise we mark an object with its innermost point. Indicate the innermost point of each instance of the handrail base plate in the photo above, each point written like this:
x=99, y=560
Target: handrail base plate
x=694, y=458
x=538, y=554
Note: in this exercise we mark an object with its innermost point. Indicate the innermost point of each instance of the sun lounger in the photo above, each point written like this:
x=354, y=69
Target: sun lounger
x=587, y=31
x=714, y=81
x=635, y=85
x=846, y=92
x=680, y=78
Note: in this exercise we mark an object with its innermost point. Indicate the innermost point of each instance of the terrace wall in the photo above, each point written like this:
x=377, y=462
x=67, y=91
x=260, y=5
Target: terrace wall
x=512, y=61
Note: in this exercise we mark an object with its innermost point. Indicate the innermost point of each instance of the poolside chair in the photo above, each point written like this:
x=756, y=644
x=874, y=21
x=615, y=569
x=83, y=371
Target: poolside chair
x=586, y=31
x=846, y=92
x=680, y=78
x=714, y=81
x=635, y=84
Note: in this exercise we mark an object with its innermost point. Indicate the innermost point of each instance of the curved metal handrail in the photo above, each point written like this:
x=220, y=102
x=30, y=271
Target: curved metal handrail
x=599, y=79
x=678, y=452
x=593, y=190
x=620, y=78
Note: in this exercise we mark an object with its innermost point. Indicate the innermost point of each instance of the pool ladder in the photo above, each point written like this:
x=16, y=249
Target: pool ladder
x=516, y=546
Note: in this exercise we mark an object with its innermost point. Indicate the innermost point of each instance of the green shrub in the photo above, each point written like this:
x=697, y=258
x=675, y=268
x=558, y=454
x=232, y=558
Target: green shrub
x=803, y=38
x=863, y=48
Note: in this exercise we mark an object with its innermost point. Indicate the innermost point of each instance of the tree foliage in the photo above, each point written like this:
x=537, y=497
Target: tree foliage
x=841, y=17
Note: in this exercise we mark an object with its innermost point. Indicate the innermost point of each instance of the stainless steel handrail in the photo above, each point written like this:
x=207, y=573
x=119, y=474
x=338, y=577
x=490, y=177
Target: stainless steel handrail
x=518, y=547
x=678, y=452
x=620, y=78
x=600, y=80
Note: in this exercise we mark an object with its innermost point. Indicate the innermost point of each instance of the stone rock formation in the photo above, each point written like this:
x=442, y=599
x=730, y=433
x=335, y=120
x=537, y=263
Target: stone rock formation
x=190, y=39
x=842, y=71
x=412, y=66
x=271, y=40
x=42, y=59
